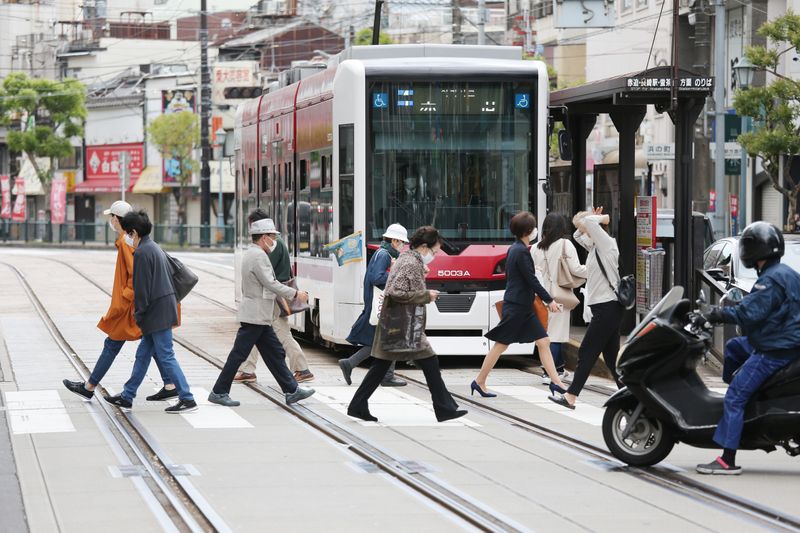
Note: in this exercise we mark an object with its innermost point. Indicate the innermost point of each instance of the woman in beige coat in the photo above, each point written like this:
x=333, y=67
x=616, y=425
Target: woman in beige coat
x=546, y=257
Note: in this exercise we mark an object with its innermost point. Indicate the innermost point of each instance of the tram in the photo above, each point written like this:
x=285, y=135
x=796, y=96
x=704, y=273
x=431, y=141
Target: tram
x=452, y=136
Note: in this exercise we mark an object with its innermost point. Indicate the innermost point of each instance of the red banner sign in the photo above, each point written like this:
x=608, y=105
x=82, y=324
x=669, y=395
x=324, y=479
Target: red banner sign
x=734, y=205
x=18, y=213
x=102, y=161
x=58, y=201
x=5, y=191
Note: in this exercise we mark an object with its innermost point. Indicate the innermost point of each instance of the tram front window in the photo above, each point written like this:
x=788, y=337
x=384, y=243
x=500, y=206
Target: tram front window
x=452, y=155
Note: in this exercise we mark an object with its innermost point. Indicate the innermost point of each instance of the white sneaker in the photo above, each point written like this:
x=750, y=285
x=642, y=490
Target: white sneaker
x=546, y=379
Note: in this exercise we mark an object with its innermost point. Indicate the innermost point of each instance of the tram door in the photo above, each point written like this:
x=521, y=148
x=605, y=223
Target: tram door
x=84, y=218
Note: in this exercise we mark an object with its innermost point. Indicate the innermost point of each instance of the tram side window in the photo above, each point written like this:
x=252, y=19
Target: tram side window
x=249, y=181
x=303, y=175
x=264, y=179
x=346, y=170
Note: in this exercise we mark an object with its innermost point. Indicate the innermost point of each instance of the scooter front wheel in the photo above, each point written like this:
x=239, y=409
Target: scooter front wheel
x=647, y=443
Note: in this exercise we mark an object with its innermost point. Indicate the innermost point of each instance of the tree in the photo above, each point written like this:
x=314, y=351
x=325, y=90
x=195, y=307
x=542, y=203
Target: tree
x=50, y=114
x=177, y=135
x=364, y=37
x=775, y=109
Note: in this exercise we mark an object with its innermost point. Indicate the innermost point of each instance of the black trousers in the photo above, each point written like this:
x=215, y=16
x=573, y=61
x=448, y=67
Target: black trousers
x=271, y=350
x=443, y=403
x=602, y=335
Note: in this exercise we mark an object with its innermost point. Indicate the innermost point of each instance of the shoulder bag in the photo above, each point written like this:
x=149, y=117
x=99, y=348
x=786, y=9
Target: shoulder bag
x=562, y=294
x=290, y=307
x=625, y=291
x=566, y=278
x=183, y=279
x=539, y=309
x=377, y=304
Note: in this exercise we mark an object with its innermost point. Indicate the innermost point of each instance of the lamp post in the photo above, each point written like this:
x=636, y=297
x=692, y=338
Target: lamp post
x=220, y=135
x=744, y=72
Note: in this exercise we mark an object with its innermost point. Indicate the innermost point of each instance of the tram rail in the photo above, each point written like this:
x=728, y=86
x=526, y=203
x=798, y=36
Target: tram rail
x=672, y=481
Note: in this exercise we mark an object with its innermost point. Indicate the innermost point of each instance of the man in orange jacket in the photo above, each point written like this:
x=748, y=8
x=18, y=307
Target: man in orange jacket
x=118, y=322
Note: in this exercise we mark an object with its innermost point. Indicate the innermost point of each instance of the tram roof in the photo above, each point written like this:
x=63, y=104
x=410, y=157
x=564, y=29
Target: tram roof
x=396, y=51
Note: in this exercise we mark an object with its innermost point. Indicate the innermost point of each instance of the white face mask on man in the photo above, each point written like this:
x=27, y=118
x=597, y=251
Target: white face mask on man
x=128, y=240
x=111, y=225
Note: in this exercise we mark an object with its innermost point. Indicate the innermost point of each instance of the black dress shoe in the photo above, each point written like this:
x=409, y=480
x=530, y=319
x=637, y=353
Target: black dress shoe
x=560, y=400
x=79, y=388
x=363, y=415
x=163, y=394
x=451, y=416
x=393, y=382
x=119, y=401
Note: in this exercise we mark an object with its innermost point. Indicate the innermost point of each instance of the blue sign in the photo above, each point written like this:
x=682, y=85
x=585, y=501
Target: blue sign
x=380, y=100
x=522, y=101
x=346, y=250
x=405, y=92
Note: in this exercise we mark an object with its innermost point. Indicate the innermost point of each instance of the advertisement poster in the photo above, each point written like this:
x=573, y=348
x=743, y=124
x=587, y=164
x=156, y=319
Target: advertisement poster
x=5, y=190
x=58, y=201
x=645, y=221
x=174, y=102
x=18, y=213
x=102, y=161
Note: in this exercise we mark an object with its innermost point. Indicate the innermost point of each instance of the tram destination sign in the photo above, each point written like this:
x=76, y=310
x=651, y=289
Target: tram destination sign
x=664, y=83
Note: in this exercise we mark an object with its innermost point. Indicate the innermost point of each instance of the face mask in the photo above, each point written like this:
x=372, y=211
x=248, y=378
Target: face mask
x=534, y=234
x=426, y=259
x=128, y=240
x=271, y=247
x=111, y=225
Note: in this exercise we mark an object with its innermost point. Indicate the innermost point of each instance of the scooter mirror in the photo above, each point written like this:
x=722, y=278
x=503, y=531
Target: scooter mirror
x=702, y=298
x=734, y=295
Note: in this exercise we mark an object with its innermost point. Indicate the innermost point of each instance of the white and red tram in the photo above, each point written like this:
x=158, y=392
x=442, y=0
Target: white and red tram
x=453, y=136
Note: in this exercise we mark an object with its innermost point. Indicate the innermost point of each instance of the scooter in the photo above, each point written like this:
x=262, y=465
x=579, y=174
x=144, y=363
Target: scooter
x=665, y=401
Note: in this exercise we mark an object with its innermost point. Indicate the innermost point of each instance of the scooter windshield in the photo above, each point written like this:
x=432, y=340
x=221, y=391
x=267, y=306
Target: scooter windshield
x=664, y=306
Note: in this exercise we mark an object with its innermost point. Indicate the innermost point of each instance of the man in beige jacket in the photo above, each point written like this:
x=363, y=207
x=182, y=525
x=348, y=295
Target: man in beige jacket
x=256, y=312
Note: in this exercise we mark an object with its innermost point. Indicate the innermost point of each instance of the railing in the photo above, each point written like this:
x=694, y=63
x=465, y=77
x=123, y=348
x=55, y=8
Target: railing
x=89, y=233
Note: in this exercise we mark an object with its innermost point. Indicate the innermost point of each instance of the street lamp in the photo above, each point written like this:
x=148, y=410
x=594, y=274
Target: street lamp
x=744, y=72
x=220, y=136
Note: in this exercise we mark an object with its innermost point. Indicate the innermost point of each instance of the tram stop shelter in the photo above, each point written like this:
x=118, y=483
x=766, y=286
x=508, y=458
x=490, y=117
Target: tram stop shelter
x=625, y=99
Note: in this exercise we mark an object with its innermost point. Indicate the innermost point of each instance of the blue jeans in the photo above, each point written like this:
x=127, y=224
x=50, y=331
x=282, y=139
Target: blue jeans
x=111, y=349
x=754, y=372
x=737, y=351
x=158, y=345
x=558, y=360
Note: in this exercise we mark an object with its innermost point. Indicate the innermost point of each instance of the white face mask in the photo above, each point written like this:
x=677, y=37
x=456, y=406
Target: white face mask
x=272, y=247
x=111, y=225
x=533, y=235
x=128, y=240
x=426, y=259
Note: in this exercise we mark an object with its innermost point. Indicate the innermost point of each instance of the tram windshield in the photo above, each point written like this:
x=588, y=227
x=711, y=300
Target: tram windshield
x=455, y=155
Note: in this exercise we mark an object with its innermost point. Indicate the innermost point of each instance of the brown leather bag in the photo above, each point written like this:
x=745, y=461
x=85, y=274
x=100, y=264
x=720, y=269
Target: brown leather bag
x=542, y=314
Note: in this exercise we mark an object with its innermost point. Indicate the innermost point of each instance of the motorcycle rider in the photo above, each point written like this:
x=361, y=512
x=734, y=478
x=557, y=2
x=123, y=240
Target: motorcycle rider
x=770, y=319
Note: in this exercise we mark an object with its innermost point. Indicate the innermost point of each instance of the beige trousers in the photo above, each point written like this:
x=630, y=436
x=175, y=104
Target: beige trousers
x=295, y=355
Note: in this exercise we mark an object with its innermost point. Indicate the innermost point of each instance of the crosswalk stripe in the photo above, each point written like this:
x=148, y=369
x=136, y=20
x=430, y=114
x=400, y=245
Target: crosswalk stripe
x=212, y=416
x=584, y=411
x=37, y=411
x=392, y=408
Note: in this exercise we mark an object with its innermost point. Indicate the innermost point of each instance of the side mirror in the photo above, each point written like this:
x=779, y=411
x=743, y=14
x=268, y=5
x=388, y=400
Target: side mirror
x=717, y=274
x=702, y=297
x=564, y=145
x=734, y=295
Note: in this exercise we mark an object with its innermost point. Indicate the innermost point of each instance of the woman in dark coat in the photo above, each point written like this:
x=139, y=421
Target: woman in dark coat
x=400, y=334
x=363, y=333
x=519, y=322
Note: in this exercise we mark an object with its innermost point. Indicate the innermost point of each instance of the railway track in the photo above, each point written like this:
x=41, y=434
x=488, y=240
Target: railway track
x=669, y=480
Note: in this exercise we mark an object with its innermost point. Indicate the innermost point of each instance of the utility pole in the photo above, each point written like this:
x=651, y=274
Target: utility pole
x=205, y=112
x=720, y=223
x=481, y=22
x=376, y=23
x=455, y=9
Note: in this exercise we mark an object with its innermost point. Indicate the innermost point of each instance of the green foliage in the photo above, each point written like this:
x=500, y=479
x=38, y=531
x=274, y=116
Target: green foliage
x=775, y=108
x=552, y=74
x=364, y=37
x=177, y=135
x=50, y=114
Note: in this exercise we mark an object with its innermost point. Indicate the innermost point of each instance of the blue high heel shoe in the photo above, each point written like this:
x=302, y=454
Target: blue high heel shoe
x=475, y=387
x=556, y=389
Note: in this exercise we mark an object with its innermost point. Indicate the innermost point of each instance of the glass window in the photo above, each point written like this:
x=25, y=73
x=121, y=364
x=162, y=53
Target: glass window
x=303, y=175
x=711, y=257
x=456, y=155
x=346, y=168
x=264, y=179
x=627, y=5
x=249, y=181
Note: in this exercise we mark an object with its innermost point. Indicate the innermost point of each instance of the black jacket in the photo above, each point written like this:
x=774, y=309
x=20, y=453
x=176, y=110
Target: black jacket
x=155, y=306
x=521, y=282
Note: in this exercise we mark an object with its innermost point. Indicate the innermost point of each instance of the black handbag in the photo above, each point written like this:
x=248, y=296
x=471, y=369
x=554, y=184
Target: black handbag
x=183, y=279
x=625, y=291
x=402, y=326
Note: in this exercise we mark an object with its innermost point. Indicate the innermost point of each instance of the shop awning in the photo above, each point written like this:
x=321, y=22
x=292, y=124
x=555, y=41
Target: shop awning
x=33, y=185
x=150, y=181
x=103, y=185
x=228, y=183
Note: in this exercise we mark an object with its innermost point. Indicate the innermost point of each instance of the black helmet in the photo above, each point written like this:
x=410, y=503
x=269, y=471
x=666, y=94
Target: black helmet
x=760, y=240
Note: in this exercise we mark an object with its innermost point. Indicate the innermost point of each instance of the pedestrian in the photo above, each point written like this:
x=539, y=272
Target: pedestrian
x=156, y=312
x=118, y=323
x=400, y=335
x=282, y=266
x=547, y=254
x=770, y=319
x=256, y=315
x=519, y=322
x=363, y=333
x=602, y=335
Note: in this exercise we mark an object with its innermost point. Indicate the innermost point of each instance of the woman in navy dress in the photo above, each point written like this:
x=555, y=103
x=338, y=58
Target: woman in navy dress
x=519, y=322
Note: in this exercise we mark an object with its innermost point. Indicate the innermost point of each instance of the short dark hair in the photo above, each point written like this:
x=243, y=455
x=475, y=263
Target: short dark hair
x=522, y=224
x=256, y=238
x=554, y=227
x=137, y=220
x=427, y=235
x=257, y=214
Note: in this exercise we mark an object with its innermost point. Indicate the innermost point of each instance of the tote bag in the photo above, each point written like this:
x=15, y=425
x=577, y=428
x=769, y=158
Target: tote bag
x=377, y=305
x=562, y=293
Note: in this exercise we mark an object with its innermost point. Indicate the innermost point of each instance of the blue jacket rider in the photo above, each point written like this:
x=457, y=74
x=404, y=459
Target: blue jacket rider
x=770, y=319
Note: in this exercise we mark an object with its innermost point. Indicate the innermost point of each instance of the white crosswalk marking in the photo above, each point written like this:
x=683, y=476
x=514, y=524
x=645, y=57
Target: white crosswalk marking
x=37, y=411
x=212, y=416
x=392, y=407
x=583, y=412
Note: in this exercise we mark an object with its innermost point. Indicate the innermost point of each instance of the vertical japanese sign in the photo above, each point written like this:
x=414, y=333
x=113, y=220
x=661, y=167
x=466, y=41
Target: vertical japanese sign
x=58, y=201
x=646, y=223
x=5, y=190
x=18, y=213
x=712, y=200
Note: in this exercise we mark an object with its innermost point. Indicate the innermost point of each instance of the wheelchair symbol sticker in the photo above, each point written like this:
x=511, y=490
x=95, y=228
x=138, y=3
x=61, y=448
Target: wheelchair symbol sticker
x=521, y=101
x=380, y=100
